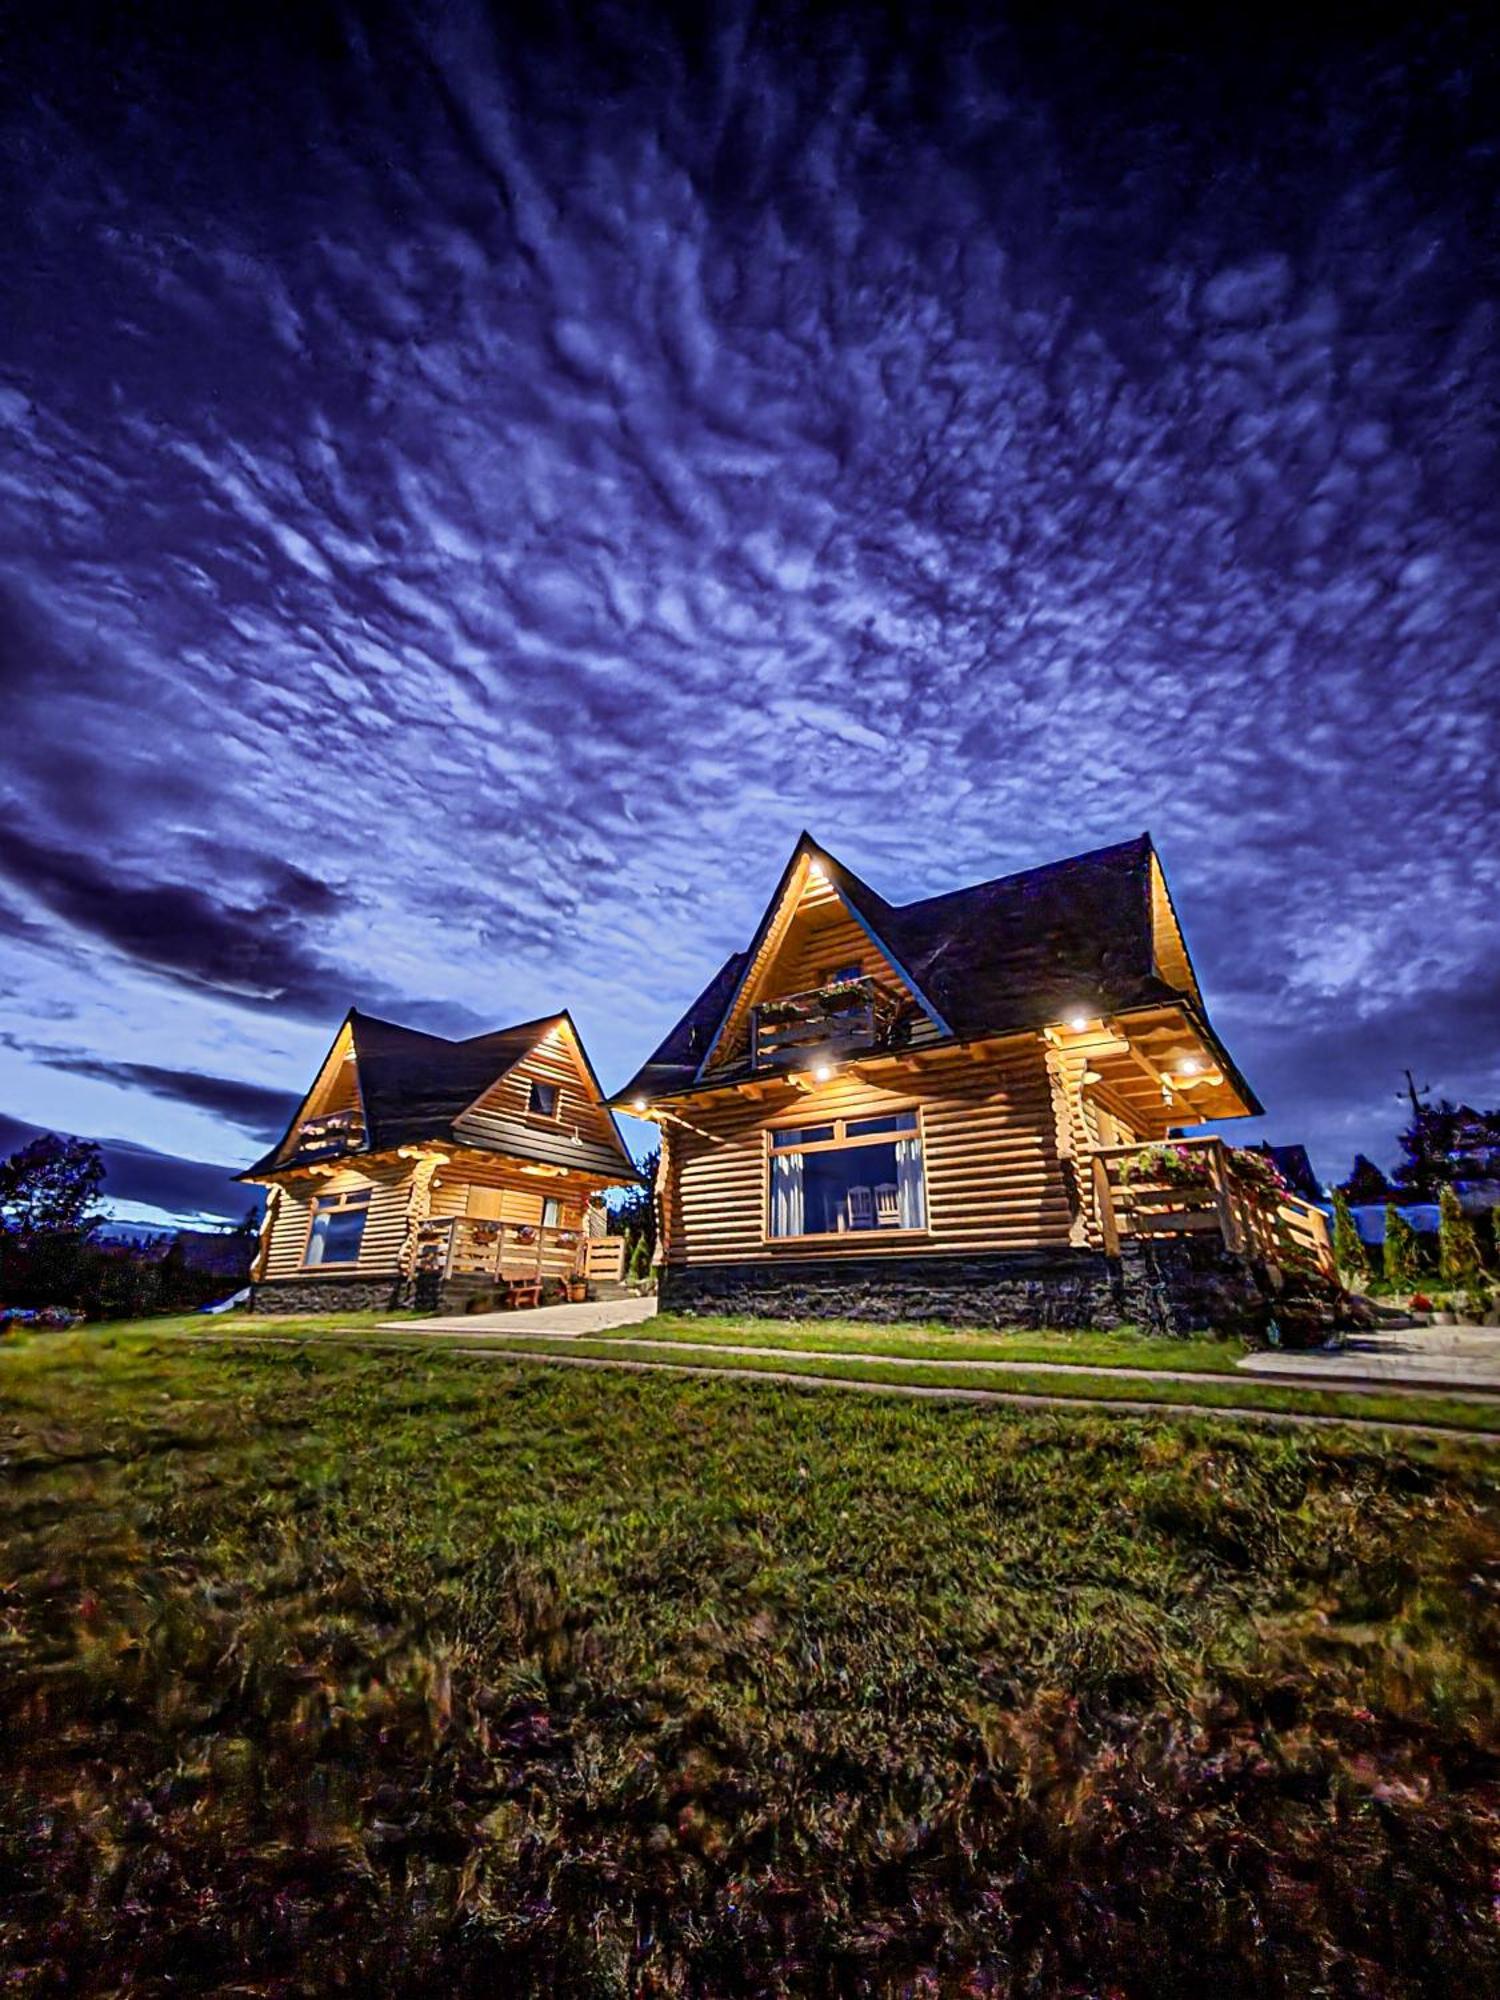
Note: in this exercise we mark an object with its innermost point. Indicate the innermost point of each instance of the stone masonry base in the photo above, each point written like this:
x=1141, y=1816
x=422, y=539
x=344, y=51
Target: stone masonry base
x=328, y=1295
x=1168, y=1288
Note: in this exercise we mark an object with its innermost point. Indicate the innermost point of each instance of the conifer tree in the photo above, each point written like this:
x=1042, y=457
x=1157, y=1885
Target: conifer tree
x=1348, y=1249
x=1458, y=1247
x=1400, y=1259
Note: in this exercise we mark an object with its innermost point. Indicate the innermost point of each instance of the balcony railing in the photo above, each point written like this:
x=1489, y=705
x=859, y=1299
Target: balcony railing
x=335, y=1132
x=849, y=1017
x=464, y=1246
x=1204, y=1195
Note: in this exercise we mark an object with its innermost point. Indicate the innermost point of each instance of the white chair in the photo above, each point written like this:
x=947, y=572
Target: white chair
x=887, y=1206
x=859, y=1205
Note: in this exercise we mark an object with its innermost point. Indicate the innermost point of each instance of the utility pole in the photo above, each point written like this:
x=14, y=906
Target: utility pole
x=1417, y=1106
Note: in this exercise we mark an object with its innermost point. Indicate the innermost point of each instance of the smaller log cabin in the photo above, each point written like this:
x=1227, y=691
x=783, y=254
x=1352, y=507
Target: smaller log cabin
x=939, y=1109
x=424, y=1171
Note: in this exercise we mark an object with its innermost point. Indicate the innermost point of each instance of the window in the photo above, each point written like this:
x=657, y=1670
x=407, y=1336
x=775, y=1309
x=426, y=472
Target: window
x=542, y=1103
x=338, y=1227
x=551, y=1213
x=837, y=974
x=851, y=1175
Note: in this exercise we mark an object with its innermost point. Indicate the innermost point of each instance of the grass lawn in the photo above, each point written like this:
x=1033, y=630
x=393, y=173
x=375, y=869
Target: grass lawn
x=330, y=1668
x=904, y=1350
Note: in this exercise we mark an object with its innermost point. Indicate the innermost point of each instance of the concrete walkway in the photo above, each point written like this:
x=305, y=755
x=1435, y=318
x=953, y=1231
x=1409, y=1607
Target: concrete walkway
x=1465, y=1359
x=566, y=1322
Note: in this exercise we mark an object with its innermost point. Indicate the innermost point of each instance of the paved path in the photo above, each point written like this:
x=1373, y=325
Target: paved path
x=1372, y=1370
x=1434, y=1358
x=572, y=1322
x=948, y=1393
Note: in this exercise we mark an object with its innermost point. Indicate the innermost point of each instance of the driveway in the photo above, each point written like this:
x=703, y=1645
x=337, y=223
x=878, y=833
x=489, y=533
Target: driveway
x=597, y=1317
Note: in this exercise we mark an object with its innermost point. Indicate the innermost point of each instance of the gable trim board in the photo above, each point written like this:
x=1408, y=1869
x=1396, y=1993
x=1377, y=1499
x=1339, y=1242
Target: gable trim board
x=415, y=1088
x=775, y=926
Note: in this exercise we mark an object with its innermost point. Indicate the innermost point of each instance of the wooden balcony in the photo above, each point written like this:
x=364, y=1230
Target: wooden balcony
x=324, y=1138
x=1272, y=1228
x=824, y=1024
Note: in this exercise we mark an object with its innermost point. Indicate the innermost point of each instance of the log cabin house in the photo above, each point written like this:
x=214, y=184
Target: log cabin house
x=939, y=1109
x=424, y=1171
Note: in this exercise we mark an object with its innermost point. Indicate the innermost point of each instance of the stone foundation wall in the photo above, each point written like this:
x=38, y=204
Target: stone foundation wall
x=1176, y=1288
x=328, y=1295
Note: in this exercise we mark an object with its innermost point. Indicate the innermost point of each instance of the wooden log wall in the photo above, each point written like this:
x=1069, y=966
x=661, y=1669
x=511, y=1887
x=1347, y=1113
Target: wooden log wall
x=385, y=1225
x=990, y=1155
x=501, y=1117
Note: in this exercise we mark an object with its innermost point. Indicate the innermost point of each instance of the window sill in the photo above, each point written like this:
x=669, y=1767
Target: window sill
x=327, y=1270
x=852, y=1238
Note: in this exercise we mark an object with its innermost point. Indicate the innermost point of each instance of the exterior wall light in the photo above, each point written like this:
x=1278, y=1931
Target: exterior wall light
x=822, y=1073
x=638, y=1104
x=1077, y=1023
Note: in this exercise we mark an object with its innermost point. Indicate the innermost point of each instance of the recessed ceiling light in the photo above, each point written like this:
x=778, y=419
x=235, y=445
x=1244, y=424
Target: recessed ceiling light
x=1077, y=1022
x=822, y=1073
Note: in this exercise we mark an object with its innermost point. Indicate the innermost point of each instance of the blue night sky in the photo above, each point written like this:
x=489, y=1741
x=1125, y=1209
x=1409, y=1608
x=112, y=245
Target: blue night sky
x=470, y=498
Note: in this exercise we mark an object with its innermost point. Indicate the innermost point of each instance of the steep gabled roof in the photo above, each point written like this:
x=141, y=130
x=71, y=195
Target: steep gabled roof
x=1018, y=952
x=413, y=1085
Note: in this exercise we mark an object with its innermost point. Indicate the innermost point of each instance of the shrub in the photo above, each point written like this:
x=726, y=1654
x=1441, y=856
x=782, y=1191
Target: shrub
x=1458, y=1247
x=640, y=1259
x=1349, y=1252
x=1400, y=1258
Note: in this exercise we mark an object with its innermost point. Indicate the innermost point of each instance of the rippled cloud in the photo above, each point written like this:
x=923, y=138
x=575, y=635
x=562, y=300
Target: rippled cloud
x=471, y=498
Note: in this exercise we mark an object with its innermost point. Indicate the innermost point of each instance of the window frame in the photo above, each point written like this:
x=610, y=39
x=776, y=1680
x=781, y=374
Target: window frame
x=839, y=1144
x=533, y=1085
x=361, y=1198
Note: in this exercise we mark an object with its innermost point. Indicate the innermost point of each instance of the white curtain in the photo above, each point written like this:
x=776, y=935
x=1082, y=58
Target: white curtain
x=786, y=1194
x=909, y=1183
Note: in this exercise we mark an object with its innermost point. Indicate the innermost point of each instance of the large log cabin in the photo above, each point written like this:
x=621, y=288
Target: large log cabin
x=938, y=1109
x=427, y=1171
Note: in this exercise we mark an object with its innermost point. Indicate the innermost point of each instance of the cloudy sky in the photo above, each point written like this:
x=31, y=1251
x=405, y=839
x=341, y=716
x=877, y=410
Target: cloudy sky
x=469, y=499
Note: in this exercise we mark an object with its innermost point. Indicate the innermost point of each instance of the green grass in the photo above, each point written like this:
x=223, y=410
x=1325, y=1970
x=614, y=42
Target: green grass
x=326, y=1668
x=1126, y=1348
x=905, y=1348
x=1243, y=1393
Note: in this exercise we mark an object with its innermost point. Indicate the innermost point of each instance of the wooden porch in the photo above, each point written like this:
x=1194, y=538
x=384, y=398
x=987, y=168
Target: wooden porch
x=1277, y=1228
x=522, y=1255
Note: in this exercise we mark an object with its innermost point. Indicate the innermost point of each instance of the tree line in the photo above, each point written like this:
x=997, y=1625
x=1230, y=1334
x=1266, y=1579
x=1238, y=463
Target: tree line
x=53, y=1254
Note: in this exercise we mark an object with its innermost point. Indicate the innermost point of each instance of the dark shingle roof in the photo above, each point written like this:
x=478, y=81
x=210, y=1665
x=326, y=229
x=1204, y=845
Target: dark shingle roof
x=414, y=1085
x=1013, y=953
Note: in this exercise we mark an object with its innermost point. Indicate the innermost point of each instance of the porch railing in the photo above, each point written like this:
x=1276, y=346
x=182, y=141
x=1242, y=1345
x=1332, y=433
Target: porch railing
x=604, y=1258
x=847, y=1017
x=1275, y=1228
x=334, y=1132
x=464, y=1246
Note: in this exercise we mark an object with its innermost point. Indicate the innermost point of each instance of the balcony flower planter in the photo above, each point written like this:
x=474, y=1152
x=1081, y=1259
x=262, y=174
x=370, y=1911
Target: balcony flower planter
x=1166, y=1166
x=1254, y=1174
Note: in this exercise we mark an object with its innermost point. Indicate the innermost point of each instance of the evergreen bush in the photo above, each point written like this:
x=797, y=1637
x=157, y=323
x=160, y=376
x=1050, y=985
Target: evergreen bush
x=1458, y=1247
x=1401, y=1259
x=1349, y=1252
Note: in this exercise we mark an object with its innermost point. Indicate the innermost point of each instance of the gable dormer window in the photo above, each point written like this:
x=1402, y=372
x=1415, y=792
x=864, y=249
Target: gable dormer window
x=542, y=1100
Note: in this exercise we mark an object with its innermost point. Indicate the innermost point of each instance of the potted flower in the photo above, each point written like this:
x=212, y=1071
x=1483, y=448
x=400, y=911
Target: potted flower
x=1167, y=1165
x=1256, y=1173
x=578, y=1289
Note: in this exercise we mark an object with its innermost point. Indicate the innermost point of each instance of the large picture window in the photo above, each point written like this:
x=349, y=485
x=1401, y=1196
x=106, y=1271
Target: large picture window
x=338, y=1227
x=847, y=1176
